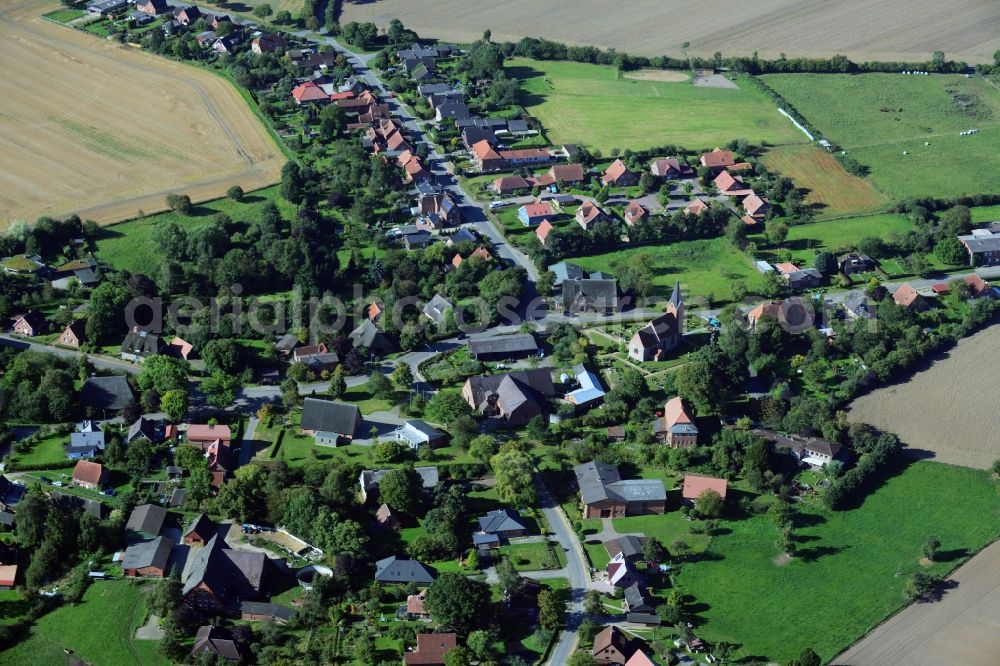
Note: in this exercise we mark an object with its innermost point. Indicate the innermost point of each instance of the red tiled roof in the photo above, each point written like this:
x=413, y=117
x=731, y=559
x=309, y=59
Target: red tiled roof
x=696, y=207
x=639, y=659
x=787, y=267
x=308, y=92
x=207, y=433
x=88, y=472
x=484, y=151
x=8, y=573
x=431, y=648
x=614, y=172
x=508, y=183
x=675, y=412
x=905, y=295
x=347, y=94
x=717, y=158
x=543, y=231
x=634, y=211
x=976, y=284
x=538, y=209
x=754, y=204
x=695, y=484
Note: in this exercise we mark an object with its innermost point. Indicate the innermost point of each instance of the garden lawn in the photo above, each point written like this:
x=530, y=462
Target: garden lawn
x=592, y=105
x=96, y=630
x=806, y=240
x=130, y=245
x=706, y=268
x=876, y=117
x=851, y=569
x=530, y=556
x=48, y=451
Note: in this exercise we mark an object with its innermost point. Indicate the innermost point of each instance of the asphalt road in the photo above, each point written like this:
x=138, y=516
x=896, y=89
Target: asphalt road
x=99, y=362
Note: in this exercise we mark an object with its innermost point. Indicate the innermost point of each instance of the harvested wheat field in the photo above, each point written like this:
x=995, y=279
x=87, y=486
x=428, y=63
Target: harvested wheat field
x=92, y=127
x=860, y=29
x=962, y=628
x=948, y=409
x=831, y=190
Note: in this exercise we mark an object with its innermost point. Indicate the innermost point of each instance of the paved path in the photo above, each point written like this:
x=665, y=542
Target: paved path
x=150, y=631
x=961, y=628
x=100, y=362
x=576, y=566
x=608, y=532
x=247, y=445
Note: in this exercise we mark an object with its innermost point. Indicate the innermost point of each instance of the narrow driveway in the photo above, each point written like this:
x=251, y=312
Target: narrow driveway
x=576, y=566
x=246, y=446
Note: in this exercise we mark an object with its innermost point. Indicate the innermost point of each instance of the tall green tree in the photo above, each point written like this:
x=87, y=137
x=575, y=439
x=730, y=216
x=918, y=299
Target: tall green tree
x=459, y=602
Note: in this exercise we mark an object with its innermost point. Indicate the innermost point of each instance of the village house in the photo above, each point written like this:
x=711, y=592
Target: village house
x=696, y=484
x=399, y=570
x=731, y=186
x=639, y=657
x=218, y=578
x=568, y=174
x=84, y=271
x=89, y=475
x=416, y=433
x=670, y=168
x=679, y=429
x=597, y=293
x=907, y=297
x=139, y=345
x=503, y=347
x=369, y=479
x=635, y=212
x=660, y=335
x=147, y=559
x=534, y=213
x=106, y=394
x=145, y=522
x=29, y=324
x=590, y=392
x=757, y=207
x=268, y=42
x=217, y=642
x=543, y=230
x=510, y=185
x=589, y=213
x=619, y=175
x=622, y=572
x=437, y=310
x=152, y=7
x=330, y=422
x=316, y=357
x=386, y=519
x=798, y=278
x=86, y=442
x=853, y=263
x=187, y=15
x=474, y=134
x=486, y=158
x=982, y=246
x=611, y=647
x=717, y=160
x=203, y=435
x=261, y=611
x=503, y=524
x=440, y=209
x=368, y=336
x=431, y=649
x=199, y=532
x=180, y=348
x=309, y=93
x=514, y=397
x=697, y=206
x=603, y=493
x=978, y=287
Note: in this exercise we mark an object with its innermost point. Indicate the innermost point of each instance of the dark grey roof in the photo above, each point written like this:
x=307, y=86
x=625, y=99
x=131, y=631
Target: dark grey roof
x=461, y=235
x=566, y=271
x=631, y=546
x=638, y=599
x=600, y=481
x=142, y=427
x=367, y=335
x=395, y=570
x=87, y=439
x=10, y=492
x=453, y=110
x=473, y=135
x=675, y=296
x=493, y=123
x=981, y=243
x=6, y=518
x=658, y=329
x=504, y=344
x=537, y=381
x=153, y=553
x=437, y=307
x=501, y=520
x=106, y=392
x=141, y=343
x=228, y=573
x=429, y=476
x=594, y=293
x=147, y=519
x=426, y=89
x=211, y=639
x=68, y=502
x=643, y=618
x=857, y=304
x=517, y=125
x=202, y=525
x=329, y=416
x=275, y=611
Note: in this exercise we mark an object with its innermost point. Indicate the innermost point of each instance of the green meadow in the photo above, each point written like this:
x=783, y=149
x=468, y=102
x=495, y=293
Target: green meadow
x=876, y=118
x=592, y=105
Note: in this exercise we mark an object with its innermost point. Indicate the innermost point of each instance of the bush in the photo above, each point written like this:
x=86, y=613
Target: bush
x=235, y=193
x=180, y=203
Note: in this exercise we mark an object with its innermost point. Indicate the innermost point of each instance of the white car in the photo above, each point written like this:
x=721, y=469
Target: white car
x=497, y=204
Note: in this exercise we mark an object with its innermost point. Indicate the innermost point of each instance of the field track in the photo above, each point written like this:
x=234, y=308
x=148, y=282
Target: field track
x=962, y=628
x=91, y=127
x=948, y=409
x=860, y=29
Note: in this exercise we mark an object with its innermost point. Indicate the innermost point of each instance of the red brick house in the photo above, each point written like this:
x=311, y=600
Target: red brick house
x=697, y=207
x=510, y=184
x=74, y=335
x=717, y=160
x=611, y=647
x=88, y=474
x=147, y=559
x=29, y=324
x=732, y=186
x=681, y=432
x=486, y=158
x=562, y=173
x=907, y=297
x=201, y=530
x=589, y=213
x=756, y=206
x=619, y=175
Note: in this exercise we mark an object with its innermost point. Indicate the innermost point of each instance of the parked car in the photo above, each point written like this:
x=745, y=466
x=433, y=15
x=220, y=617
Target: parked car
x=110, y=492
